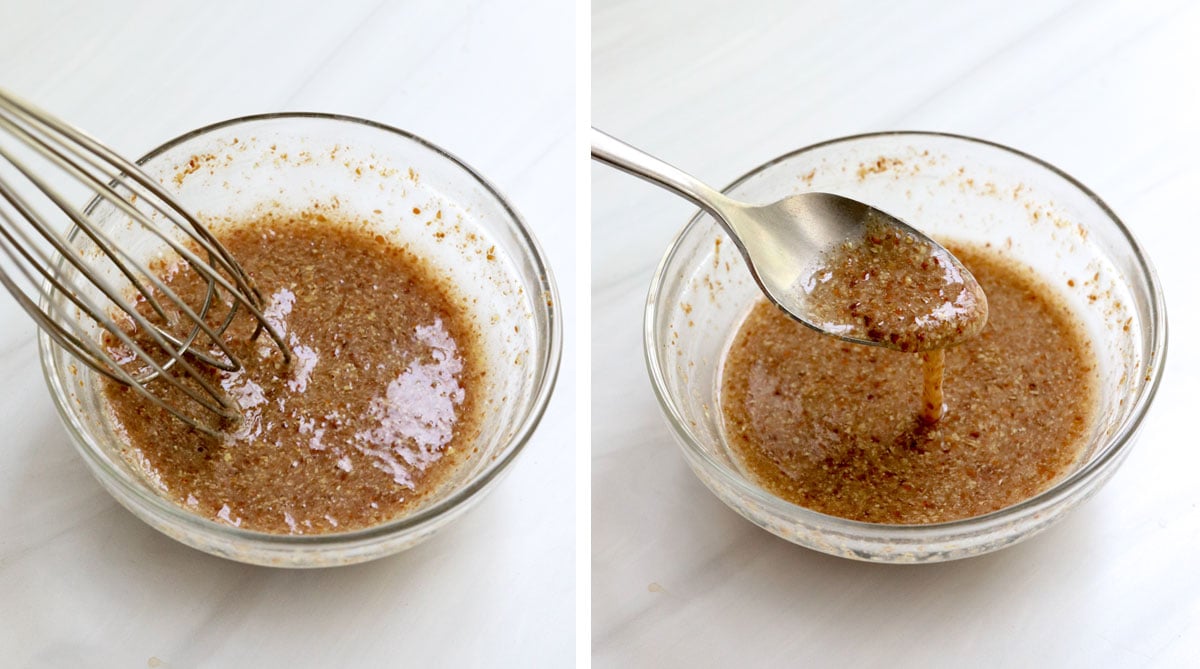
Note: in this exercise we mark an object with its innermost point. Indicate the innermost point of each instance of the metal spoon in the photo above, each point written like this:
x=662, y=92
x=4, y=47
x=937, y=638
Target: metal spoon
x=785, y=242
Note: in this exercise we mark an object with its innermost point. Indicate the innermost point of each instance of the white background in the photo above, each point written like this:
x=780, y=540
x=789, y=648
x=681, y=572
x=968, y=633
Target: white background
x=1107, y=91
x=85, y=584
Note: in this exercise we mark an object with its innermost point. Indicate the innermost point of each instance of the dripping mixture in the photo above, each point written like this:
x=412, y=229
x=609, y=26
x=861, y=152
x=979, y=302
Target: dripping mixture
x=859, y=432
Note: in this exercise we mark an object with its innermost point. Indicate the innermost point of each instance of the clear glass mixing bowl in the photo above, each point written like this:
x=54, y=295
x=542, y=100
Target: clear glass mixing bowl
x=949, y=186
x=380, y=175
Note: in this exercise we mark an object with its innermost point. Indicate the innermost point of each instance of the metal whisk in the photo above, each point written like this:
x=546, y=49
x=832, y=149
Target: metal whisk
x=102, y=284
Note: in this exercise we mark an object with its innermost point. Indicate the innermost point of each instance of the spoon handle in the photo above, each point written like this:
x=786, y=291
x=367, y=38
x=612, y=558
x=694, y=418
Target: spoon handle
x=612, y=151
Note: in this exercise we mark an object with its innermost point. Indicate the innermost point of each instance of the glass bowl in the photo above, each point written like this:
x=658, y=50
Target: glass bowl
x=382, y=176
x=951, y=187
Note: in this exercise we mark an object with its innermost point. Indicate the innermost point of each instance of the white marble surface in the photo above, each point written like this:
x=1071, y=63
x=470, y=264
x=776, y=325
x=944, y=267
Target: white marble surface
x=1105, y=90
x=85, y=584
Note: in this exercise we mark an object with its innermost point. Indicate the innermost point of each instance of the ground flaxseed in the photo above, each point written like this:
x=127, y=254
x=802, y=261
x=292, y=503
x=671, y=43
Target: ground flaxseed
x=837, y=427
x=376, y=409
x=895, y=288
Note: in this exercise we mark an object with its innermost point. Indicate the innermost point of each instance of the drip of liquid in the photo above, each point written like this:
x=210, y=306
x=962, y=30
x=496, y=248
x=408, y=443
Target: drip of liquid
x=933, y=401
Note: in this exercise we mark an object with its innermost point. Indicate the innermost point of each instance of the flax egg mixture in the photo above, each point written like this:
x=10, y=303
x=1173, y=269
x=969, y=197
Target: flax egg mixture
x=374, y=412
x=892, y=287
x=853, y=431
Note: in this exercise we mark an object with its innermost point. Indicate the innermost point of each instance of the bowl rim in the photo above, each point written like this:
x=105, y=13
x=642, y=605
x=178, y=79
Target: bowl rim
x=1113, y=448
x=548, y=366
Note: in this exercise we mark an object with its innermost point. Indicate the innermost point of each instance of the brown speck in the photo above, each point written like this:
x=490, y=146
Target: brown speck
x=881, y=164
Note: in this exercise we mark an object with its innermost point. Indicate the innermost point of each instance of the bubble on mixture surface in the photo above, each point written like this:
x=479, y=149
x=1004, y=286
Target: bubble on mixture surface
x=306, y=358
x=416, y=416
x=224, y=516
x=278, y=309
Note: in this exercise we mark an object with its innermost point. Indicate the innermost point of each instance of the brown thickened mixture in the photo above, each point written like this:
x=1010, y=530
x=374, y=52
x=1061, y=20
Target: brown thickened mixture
x=897, y=289
x=837, y=427
x=376, y=408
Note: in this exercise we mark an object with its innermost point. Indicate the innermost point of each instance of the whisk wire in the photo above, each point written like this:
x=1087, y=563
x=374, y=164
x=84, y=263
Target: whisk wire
x=121, y=185
x=202, y=235
x=89, y=351
x=69, y=254
x=104, y=188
